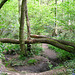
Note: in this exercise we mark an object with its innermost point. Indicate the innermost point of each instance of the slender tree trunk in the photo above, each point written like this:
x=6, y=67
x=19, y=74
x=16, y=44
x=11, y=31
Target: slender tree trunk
x=21, y=33
x=55, y=33
x=28, y=26
x=2, y=3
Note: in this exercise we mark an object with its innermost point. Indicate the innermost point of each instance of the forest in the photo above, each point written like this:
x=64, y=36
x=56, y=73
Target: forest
x=37, y=37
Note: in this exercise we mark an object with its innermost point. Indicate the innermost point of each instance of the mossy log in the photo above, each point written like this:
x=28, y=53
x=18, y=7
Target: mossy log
x=60, y=41
x=43, y=40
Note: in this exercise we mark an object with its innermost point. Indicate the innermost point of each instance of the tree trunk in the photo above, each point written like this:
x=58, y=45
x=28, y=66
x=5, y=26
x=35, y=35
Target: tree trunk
x=43, y=40
x=2, y=3
x=21, y=33
x=28, y=26
x=55, y=33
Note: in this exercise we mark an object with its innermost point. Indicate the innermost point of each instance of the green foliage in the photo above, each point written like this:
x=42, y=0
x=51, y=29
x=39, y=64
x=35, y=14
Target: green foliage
x=4, y=74
x=50, y=66
x=59, y=66
x=9, y=19
x=70, y=64
x=37, y=51
x=11, y=47
x=32, y=61
x=14, y=62
x=22, y=57
x=8, y=0
x=34, y=51
x=1, y=47
x=40, y=18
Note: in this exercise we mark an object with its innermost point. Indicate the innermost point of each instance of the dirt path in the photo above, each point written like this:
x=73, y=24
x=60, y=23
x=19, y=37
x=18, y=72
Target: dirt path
x=48, y=52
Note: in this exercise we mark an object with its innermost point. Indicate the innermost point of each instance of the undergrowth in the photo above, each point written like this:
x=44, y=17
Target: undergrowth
x=69, y=65
x=9, y=48
x=32, y=61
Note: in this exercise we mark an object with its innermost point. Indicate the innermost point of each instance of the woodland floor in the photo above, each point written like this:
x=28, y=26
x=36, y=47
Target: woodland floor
x=40, y=68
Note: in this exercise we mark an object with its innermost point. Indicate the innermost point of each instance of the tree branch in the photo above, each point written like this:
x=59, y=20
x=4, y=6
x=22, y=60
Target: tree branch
x=60, y=41
x=2, y=3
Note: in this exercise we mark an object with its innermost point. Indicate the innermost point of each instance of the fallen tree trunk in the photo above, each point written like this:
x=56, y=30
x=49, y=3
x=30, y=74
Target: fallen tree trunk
x=2, y=3
x=60, y=41
x=46, y=40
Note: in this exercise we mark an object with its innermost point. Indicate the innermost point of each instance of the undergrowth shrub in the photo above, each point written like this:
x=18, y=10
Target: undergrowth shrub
x=70, y=66
x=11, y=47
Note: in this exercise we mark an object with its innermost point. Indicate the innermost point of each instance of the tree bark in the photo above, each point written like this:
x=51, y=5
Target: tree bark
x=2, y=3
x=43, y=40
x=60, y=41
x=28, y=26
x=55, y=33
x=21, y=29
